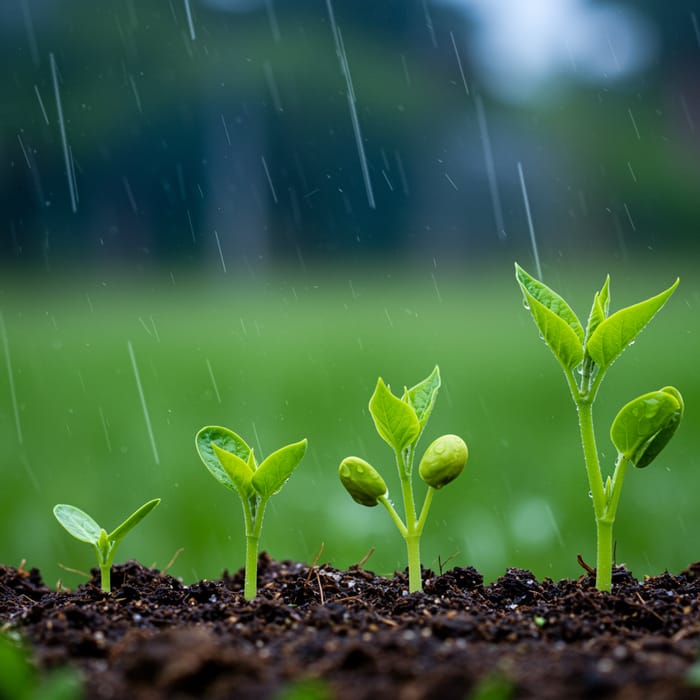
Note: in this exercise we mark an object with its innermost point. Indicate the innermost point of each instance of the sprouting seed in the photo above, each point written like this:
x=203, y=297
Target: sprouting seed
x=641, y=429
x=79, y=524
x=400, y=423
x=231, y=461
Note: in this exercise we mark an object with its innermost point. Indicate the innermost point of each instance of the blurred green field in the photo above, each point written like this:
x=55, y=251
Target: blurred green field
x=288, y=355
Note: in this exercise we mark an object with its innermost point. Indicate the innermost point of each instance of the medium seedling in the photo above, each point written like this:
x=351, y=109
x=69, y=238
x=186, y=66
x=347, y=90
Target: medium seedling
x=231, y=461
x=400, y=423
x=641, y=429
x=84, y=528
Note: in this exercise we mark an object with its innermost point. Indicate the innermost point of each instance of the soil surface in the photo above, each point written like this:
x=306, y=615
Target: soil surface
x=319, y=633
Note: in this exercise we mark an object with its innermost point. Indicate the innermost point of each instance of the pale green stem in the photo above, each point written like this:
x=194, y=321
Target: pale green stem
x=253, y=527
x=424, y=510
x=415, y=582
x=394, y=516
x=603, y=569
x=407, y=492
x=618, y=478
x=105, y=577
x=604, y=516
x=250, y=588
x=412, y=536
x=104, y=561
x=590, y=454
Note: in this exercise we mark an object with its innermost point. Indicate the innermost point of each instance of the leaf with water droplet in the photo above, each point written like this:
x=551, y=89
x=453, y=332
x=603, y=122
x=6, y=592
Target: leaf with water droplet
x=395, y=420
x=277, y=467
x=617, y=332
x=422, y=396
x=644, y=426
x=226, y=440
x=239, y=472
x=557, y=323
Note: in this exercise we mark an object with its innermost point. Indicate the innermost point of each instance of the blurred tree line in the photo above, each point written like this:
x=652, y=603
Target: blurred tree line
x=223, y=131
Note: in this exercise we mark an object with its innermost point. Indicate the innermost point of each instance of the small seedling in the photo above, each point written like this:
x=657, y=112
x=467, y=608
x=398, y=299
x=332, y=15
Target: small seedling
x=641, y=429
x=231, y=461
x=84, y=528
x=400, y=423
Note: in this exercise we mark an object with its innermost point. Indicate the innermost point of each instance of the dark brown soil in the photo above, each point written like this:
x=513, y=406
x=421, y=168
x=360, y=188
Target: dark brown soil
x=322, y=633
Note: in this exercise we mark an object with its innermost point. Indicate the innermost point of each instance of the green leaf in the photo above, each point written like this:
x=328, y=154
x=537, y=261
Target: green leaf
x=644, y=426
x=133, y=520
x=422, y=396
x=395, y=420
x=276, y=468
x=549, y=299
x=618, y=331
x=362, y=481
x=599, y=310
x=239, y=471
x=557, y=323
x=78, y=523
x=225, y=439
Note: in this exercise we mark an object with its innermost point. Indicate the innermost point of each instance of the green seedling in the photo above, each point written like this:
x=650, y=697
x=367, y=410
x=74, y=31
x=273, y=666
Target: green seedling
x=84, y=528
x=641, y=429
x=400, y=423
x=231, y=461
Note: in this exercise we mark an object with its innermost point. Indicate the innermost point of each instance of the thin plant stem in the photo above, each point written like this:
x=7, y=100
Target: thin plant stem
x=105, y=577
x=415, y=582
x=252, y=539
x=618, y=478
x=424, y=510
x=603, y=570
x=250, y=588
x=394, y=515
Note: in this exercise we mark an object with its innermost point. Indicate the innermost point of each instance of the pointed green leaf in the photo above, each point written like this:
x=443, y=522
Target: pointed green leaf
x=548, y=298
x=557, y=334
x=276, y=468
x=557, y=323
x=133, y=520
x=618, y=331
x=422, y=396
x=395, y=420
x=78, y=523
x=599, y=310
x=225, y=439
x=644, y=426
x=239, y=472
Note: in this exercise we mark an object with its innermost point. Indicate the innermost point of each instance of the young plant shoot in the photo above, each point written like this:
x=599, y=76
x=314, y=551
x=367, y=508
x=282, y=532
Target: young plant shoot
x=641, y=429
x=231, y=461
x=400, y=423
x=84, y=528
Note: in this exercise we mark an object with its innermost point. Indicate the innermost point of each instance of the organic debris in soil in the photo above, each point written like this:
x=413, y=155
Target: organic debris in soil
x=352, y=634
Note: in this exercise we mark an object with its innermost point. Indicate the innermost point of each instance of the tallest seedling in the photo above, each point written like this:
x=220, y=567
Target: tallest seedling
x=641, y=429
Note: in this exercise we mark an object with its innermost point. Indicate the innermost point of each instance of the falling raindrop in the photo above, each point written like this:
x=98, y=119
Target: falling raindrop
x=143, y=402
x=531, y=228
x=10, y=378
x=459, y=64
x=490, y=167
x=345, y=70
x=190, y=22
x=64, y=139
